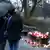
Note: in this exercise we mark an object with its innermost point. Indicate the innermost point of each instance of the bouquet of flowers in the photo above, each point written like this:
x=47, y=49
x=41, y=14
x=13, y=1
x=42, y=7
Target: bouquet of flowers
x=39, y=34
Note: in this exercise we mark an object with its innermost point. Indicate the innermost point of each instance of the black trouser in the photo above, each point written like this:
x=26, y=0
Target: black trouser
x=2, y=45
x=13, y=45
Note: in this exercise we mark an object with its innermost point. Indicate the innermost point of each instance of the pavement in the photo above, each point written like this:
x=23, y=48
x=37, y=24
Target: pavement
x=24, y=46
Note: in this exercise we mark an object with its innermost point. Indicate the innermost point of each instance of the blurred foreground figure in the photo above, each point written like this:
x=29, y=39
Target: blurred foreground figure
x=7, y=9
x=5, y=6
x=14, y=28
x=14, y=31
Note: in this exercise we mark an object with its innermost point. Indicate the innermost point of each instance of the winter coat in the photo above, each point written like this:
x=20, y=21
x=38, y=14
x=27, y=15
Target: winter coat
x=15, y=27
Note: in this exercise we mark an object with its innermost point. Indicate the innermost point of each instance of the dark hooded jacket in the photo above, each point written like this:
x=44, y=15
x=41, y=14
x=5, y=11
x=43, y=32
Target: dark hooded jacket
x=15, y=28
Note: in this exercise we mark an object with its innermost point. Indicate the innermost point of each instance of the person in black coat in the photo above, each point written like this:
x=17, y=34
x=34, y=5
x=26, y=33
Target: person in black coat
x=2, y=26
x=14, y=30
